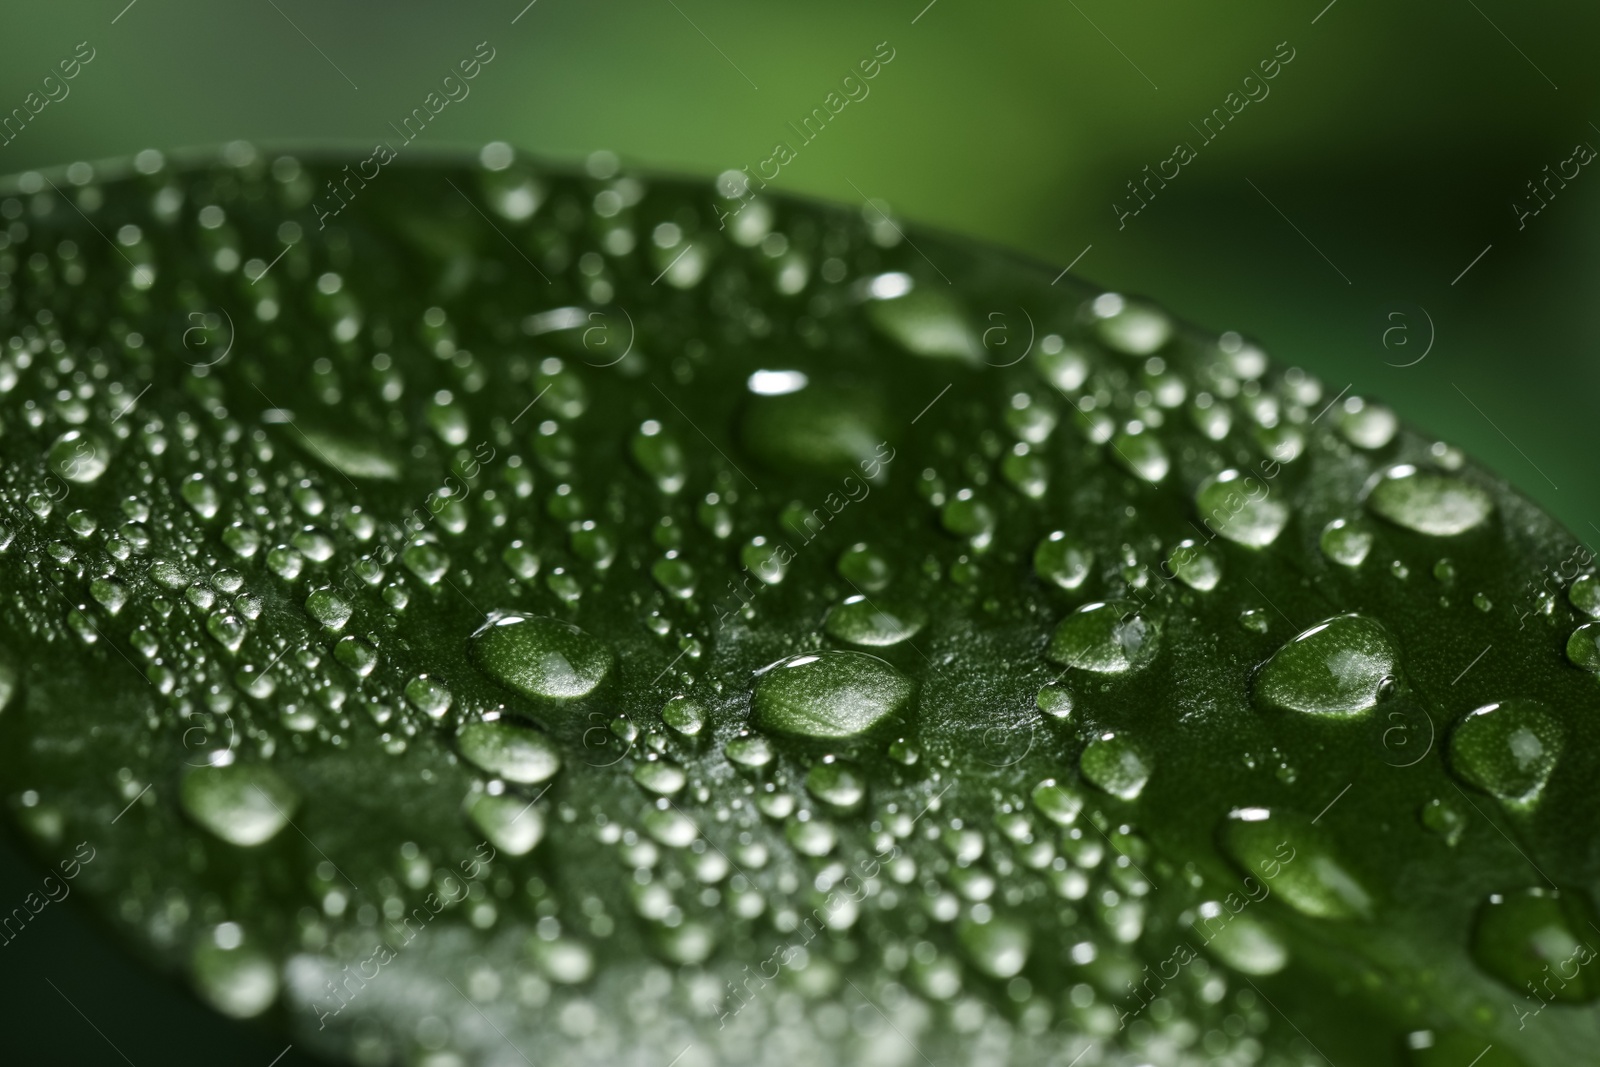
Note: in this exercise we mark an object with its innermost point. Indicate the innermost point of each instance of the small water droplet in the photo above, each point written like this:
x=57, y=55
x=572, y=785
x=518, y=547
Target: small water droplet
x=509, y=750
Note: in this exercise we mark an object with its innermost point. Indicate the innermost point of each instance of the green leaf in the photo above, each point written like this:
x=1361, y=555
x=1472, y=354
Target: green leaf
x=528, y=617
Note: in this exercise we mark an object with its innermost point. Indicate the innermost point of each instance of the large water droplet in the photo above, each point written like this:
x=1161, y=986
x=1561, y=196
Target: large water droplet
x=1338, y=667
x=829, y=694
x=1508, y=750
x=244, y=804
x=1428, y=501
x=1108, y=638
x=507, y=750
x=1538, y=940
x=540, y=656
x=1241, y=508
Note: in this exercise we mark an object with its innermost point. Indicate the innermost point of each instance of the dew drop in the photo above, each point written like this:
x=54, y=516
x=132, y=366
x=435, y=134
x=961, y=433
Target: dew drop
x=1337, y=667
x=1508, y=750
x=512, y=825
x=837, y=783
x=1583, y=647
x=428, y=696
x=829, y=694
x=243, y=804
x=874, y=623
x=1062, y=559
x=1241, y=508
x=541, y=657
x=1525, y=937
x=1108, y=637
x=1346, y=542
x=238, y=981
x=999, y=948
x=1428, y=502
x=1299, y=860
x=1113, y=764
x=508, y=750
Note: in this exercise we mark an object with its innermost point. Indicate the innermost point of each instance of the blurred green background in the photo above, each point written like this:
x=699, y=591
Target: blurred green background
x=1335, y=214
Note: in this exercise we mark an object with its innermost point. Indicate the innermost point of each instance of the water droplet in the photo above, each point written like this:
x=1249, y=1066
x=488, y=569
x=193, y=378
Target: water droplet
x=1055, y=701
x=1428, y=501
x=818, y=427
x=927, y=321
x=1583, y=647
x=676, y=576
x=541, y=657
x=1365, y=425
x=1338, y=667
x=79, y=456
x=1299, y=860
x=350, y=457
x=685, y=715
x=865, y=567
x=427, y=561
x=969, y=517
x=328, y=608
x=238, y=981
x=829, y=694
x=751, y=751
x=356, y=655
x=1112, y=763
x=669, y=826
x=1585, y=595
x=874, y=623
x=1108, y=638
x=1196, y=565
x=1346, y=542
x=1240, y=940
x=1056, y=802
x=512, y=825
x=201, y=496
x=1508, y=750
x=428, y=696
x=1131, y=327
x=1444, y=818
x=1530, y=936
x=243, y=804
x=1142, y=455
x=660, y=456
x=509, y=750
x=838, y=783
x=1241, y=508
x=1063, y=560
x=660, y=776
x=999, y=948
